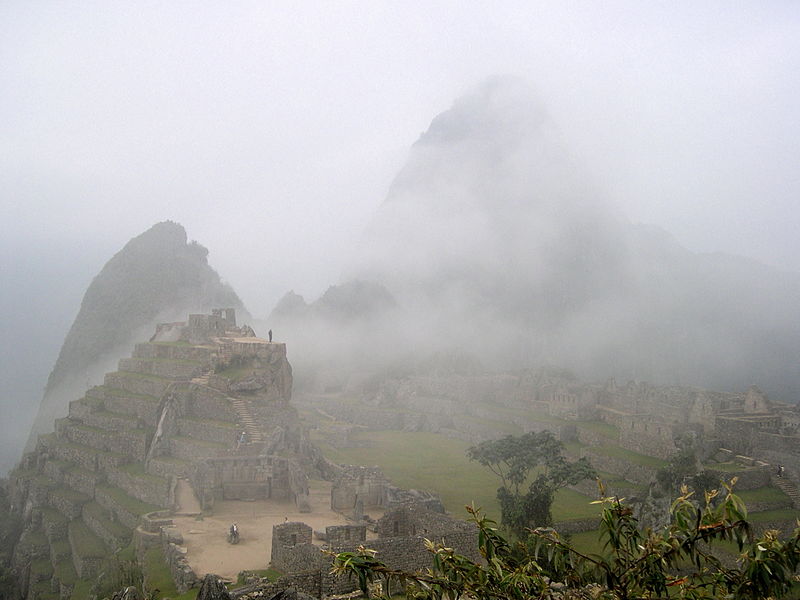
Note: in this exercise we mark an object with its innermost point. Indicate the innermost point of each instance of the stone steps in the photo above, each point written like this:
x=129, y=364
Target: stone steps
x=788, y=487
x=255, y=433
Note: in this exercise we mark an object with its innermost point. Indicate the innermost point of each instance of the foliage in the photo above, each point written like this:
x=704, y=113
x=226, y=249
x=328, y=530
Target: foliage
x=672, y=562
x=684, y=469
x=514, y=459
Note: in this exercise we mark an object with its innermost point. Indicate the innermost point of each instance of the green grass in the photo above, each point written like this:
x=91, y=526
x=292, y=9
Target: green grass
x=137, y=470
x=157, y=576
x=81, y=589
x=236, y=372
x=434, y=462
x=71, y=495
x=65, y=572
x=101, y=514
x=42, y=566
x=600, y=428
x=764, y=494
x=86, y=543
x=143, y=376
x=588, y=542
x=781, y=514
x=120, y=393
x=727, y=467
x=630, y=456
x=132, y=505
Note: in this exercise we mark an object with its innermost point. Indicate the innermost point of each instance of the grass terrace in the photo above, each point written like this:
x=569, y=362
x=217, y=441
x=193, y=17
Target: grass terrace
x=765, y=494
x=86, y=543
x=132, y=505
x=600, y=428
x=434, y=462
x=630, y=456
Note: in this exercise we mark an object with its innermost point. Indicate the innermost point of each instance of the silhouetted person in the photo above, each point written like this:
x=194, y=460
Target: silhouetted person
x=270, y=335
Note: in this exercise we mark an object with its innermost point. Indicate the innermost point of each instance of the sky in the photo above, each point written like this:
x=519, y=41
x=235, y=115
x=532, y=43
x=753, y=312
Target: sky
x=272, y=131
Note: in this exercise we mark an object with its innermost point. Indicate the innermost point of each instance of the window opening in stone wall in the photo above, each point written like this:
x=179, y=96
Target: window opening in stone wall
x=396, y=527
x=294, y=539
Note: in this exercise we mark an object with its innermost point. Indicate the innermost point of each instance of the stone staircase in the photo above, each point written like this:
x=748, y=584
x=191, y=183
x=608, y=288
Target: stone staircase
x=255, y=434
x=788, y=487
x=202, y=379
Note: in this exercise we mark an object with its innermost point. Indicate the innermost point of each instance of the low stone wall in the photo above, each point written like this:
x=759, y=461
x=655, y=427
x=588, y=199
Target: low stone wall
x=122, y=514
x=68, y=502
x=111, y=422
x=54, y=525
x=98, y=520
x=649, y=445
x=206, y=403
x=137, y=383
x=590, y=438
x=54, y=471
x=132, y=443
x=82, y=480
x=191, y=449
x=627, y=470
x=748, y=478
x=87, y=564
x=167, y=466
x=147, y=488
x=221, y=432
x=577, y=525
x=172, y=351
x=183, y=575
x=162, y=367
x=73, y=453
x=78, y=409
x=142, y=407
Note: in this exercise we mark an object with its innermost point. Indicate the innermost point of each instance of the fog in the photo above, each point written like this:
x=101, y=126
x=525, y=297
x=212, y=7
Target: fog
x=275, y=134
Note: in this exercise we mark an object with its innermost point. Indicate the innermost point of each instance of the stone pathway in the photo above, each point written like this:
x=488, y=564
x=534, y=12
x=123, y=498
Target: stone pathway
x=188, y=505
x=255, y=434
x=788, y=487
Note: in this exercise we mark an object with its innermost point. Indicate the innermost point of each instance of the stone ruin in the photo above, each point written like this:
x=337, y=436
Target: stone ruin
x=204, y=401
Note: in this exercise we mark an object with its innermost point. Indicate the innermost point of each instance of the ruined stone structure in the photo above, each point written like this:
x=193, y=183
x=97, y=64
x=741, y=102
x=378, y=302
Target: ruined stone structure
x=400, y=543
x=204, y=400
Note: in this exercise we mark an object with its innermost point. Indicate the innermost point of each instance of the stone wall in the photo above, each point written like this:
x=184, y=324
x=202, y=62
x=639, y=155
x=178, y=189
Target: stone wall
x=82, y=480
x=369, y=485
x=147, y=488
x=163, y=367
x=221, y=432
x=627, y=470
x=138, y=384
x=338, y=536
x=412, y=520
x=292, y=550
x=174, y=351
x=205, y=403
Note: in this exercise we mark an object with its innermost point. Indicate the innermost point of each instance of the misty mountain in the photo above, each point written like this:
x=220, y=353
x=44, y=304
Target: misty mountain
x=157, y=276
x=494, y=242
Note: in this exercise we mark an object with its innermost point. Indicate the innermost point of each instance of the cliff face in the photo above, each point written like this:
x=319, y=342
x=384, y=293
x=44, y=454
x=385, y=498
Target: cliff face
x=157, y=276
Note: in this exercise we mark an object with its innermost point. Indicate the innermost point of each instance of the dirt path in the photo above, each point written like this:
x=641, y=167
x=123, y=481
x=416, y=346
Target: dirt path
x=207, y=546
x=187, y=502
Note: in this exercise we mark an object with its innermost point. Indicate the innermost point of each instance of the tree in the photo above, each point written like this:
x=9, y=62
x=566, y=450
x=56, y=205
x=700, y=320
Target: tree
x=675, y=561
x=514, y=459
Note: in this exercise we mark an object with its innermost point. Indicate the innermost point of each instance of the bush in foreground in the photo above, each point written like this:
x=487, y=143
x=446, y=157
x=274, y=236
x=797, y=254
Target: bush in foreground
x=676, y=561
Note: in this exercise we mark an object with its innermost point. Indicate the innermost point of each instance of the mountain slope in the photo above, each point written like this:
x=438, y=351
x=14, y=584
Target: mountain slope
x=494, y=241
x=157, y=276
